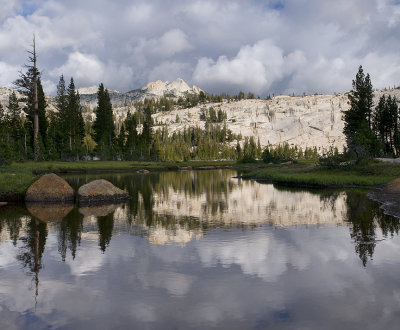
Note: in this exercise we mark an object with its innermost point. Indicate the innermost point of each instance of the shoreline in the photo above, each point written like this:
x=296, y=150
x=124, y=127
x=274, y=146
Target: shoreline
x=17, y=196
x=303, y=175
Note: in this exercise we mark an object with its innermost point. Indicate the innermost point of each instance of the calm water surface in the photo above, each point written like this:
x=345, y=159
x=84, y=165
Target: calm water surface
x=201, y=250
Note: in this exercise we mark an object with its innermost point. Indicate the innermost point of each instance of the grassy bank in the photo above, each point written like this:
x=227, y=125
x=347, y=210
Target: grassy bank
x=17, y=177
x=312, y=175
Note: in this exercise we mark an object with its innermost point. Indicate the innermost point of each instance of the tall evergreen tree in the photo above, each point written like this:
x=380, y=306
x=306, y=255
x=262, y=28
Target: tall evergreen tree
x=131, y=135
x=61, y=127
x=5, y=150
x=75, y=126
x=103, y=126
x=29, y=84
x=357, y=128
x=386, y=122
x=15, y=128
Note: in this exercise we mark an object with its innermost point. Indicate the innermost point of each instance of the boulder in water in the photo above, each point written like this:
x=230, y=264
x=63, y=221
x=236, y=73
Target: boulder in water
x=50, y=188
x=101, y=192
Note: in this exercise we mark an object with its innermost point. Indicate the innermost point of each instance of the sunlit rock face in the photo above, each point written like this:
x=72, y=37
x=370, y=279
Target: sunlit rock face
x=176, y=88
x=308, y=121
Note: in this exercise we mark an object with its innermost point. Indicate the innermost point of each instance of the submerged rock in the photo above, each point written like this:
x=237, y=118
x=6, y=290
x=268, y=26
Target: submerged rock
x=101, y=191
x=49, y=212
x=98, y=210
x=50, y=188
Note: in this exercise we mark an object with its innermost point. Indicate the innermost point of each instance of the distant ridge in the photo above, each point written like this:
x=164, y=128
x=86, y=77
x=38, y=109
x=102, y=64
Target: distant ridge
x=154, y=89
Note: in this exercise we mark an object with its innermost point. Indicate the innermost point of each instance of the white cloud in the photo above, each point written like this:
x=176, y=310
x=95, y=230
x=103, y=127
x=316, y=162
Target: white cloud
x=169, y=44
x=257, y=67
x=8, y=74
x=86, y=68
x=8, y=8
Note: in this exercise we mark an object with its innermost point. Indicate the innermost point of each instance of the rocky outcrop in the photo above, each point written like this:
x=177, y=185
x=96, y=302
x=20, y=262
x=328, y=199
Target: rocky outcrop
x=50, y=188
x=49, y=212
x=100, y=192
x=3, y=203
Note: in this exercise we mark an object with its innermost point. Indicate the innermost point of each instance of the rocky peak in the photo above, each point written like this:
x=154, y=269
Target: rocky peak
x=91, y=90
x=175, y=88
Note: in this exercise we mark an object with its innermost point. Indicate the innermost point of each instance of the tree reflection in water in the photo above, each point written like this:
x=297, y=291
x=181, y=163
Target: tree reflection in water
x=69, y=233
x=366, y=218
x=31, y=251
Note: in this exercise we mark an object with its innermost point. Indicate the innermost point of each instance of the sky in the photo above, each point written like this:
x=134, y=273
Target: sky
x=263, y=46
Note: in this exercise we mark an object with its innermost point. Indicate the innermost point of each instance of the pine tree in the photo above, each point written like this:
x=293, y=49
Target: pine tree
x=357, y=129
x=75, y=120
x=131, y=135
x=103, y=126
x=29, y=84
x=5, y=150
x=14, y=123
x=147, y=133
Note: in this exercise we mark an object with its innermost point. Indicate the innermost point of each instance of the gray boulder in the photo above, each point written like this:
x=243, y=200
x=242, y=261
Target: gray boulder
x=50, y=188
x=100, y=192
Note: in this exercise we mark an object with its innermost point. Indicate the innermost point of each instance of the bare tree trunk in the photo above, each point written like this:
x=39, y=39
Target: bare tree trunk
x=70, y=141
x=36, y=146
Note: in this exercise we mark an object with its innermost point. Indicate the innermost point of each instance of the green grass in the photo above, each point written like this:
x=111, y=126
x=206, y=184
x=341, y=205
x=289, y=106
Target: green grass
x=15, y=180
x=307, y=174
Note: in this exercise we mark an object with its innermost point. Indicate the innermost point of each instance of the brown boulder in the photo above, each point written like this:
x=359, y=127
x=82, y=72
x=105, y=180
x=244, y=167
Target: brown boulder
x=50, y=188
x=101, y=191
x=49, y=212
x=142, y=171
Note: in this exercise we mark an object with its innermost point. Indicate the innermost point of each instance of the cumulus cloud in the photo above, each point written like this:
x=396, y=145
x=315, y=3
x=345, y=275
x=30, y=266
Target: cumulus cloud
x=170, y=43
x=8, y=8
x=296, y=46
x=8, y=73
x=256, y=67
x=84, y=67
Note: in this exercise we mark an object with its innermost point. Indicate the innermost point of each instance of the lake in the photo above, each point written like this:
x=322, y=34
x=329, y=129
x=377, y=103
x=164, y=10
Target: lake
x=201, y=249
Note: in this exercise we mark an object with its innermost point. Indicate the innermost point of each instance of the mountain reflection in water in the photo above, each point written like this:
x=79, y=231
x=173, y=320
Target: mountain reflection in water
x=263, y=229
